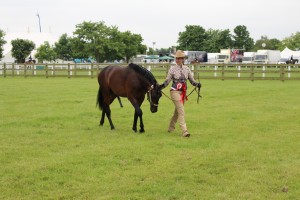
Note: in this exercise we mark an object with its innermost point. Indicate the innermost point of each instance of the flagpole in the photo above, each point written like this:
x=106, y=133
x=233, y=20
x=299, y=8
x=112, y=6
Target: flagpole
x=39, y=22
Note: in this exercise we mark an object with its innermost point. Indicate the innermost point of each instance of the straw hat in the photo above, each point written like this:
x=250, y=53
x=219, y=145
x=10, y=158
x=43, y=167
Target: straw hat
x=179, y=54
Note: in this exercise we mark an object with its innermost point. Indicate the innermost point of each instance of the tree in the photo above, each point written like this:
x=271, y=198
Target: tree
x=275, y=44
x=132, y=45
x=2, y=42
x=100, y=41
x=93, y=37
x=45, y=52
x=272, y=44
x=292, y=42
x=63, y=48
x=21, y=49
x=114, y=48
x=217, y=39
x=242, y=39
x=164, y=51
x=192, y=39
x=78, y=48
x=107, y=43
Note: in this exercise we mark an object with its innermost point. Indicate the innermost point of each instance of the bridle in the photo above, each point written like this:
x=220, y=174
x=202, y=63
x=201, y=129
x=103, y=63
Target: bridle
x=149, y=96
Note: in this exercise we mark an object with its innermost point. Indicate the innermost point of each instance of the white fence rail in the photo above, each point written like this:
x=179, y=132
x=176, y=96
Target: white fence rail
x=206, y=71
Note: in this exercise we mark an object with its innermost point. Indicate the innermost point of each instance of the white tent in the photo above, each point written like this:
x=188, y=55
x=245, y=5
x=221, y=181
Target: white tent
x=287, y=53
x=7, y=58
x=37, y=38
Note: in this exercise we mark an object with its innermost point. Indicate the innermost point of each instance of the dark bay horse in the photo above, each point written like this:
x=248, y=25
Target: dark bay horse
x=292, y=61
x=132, y=82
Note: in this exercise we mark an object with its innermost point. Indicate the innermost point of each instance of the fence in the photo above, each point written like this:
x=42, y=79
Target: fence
x=206, y=71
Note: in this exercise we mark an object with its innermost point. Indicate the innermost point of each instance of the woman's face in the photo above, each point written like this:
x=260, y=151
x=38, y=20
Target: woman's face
x=179, y=61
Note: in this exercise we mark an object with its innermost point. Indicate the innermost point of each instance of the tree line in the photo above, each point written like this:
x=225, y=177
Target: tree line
x=105, y=43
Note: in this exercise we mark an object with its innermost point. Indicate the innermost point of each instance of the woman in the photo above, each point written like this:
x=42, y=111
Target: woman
x=179, y=74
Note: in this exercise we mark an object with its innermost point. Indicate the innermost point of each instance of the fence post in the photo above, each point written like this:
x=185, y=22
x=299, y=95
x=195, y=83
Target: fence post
x=289, y=71
x=74, y=69
x=239, y=69
x=1, y=72
x=282, y=73
x=46, y=70
x=13, y=70
x=25, y=70
x=91, y=72
x=69, y=74
x=18, y=69
x=53, y=69
x=4, y=70
x=216, y=69
x=252, y=73
x=193, y=70
x=263, y=69
x=34, y=70
x=223, y=72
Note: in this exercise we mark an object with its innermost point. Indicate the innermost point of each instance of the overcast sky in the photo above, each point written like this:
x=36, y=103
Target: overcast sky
x=157, y=21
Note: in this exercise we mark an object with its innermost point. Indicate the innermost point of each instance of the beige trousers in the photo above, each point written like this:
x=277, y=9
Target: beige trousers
x=178, y=114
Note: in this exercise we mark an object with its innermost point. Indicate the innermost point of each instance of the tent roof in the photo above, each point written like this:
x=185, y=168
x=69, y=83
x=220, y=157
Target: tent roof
x=151, y=57
x=287, y=53
x=165, y=58
x=36, y=37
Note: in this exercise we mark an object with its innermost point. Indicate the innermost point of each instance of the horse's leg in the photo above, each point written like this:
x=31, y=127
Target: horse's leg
x=134, y=121
x=112, y=96
x=107, y=111
x=138, y=114
x=142, y=130
x=102, y=118
x=119, y=99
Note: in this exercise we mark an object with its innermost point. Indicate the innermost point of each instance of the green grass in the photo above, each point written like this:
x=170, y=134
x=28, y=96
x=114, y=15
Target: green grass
x=244, y=143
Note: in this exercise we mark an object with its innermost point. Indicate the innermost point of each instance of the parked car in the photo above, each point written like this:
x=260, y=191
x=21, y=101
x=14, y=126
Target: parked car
x=282, y=61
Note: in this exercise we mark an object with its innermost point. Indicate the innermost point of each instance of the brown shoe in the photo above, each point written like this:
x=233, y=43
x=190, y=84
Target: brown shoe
x=186, y=134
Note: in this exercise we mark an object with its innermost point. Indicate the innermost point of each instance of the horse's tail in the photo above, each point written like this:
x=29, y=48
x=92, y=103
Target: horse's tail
x=100, y=99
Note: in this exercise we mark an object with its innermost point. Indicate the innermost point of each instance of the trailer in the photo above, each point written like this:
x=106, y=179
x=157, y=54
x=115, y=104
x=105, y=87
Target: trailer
x=196, y=56
x=266, y=56
x=248, y=57
x=230, y=56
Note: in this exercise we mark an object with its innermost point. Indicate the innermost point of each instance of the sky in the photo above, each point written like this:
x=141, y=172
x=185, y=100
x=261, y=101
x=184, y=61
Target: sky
x=158, y=21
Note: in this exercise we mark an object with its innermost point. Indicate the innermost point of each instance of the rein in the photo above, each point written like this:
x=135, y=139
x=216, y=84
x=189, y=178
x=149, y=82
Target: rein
x=199, y=95
x=166, y=95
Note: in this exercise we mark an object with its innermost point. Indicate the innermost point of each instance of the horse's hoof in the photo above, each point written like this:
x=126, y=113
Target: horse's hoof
x=134, y=130
x=142, y=131
x=112, y=128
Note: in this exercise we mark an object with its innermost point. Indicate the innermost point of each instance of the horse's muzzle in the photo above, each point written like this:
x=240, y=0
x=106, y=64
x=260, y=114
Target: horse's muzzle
x=153, y=109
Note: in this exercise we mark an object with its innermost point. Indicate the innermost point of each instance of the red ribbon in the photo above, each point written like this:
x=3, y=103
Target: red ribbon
x=183, y=94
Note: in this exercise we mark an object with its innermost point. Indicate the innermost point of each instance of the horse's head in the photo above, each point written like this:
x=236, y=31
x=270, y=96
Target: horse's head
x=154, y=95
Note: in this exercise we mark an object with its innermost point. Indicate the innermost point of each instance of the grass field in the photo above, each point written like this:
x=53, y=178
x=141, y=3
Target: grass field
x=244, y=143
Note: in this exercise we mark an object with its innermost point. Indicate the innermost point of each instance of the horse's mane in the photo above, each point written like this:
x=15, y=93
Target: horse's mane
x=143, y=71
